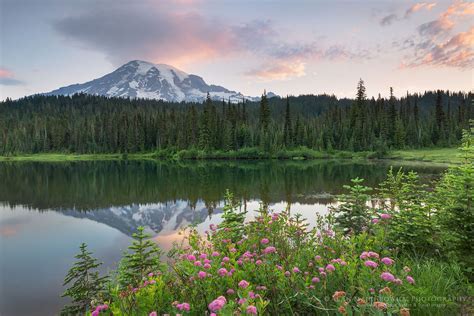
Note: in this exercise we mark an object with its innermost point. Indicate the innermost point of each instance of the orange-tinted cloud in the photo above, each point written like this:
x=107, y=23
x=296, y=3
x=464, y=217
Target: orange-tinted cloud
x=389, y=19
x=278, y=70
x=457, y=51
x=183, y=37
x=7, y=78
x=437, y=45
x=419, y=6
x=5, y=73
x=447, y=20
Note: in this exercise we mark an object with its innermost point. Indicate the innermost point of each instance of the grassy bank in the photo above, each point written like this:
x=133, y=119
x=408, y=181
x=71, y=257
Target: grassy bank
x=438, y=155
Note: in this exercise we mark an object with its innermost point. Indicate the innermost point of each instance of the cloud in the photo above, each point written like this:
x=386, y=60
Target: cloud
x=457, y=52
x=279, y=70
x=438, y=45
x=446, y=20
x=148, y=33
x=389, y=19
x=393, y=17
x=7, y=78
x=419, y=6
x=160, y=34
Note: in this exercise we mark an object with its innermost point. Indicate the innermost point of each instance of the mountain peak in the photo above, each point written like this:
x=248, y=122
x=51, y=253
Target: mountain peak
x=143, y=79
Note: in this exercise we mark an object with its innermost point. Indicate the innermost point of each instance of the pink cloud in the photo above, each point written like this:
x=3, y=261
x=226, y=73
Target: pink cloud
x=420, y=6
x=5, y=73
x=438, y=46
x=279, y=70
x=7, y=78
x=184, y=36
x=447, y=20
x=457, y=52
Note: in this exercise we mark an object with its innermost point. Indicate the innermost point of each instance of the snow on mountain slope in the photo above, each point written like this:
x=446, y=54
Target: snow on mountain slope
x=141, y=79
x=155, y=217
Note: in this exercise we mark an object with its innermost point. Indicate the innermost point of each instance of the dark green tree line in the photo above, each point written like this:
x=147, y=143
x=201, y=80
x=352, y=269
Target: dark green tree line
x=95, y=124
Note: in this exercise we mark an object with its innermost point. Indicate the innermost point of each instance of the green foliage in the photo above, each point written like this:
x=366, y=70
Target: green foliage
x=84, y=124
x=85, y=283
x=453, y=200
x=232, y=219
x=143, y=258
x=413, y=227
x=352, y=214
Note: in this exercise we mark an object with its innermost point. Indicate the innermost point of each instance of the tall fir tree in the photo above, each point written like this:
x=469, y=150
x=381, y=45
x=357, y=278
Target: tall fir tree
x=85, y=283
x=142, y=258
x=287, y=129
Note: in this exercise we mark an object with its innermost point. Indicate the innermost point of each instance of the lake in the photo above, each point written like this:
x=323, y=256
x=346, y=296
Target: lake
x=48, y=209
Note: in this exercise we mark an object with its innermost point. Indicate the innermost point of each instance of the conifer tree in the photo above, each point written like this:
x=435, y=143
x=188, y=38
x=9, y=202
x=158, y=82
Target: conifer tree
x=85, y=283
x=264, y=112
x=143, y=257
x=287, y=129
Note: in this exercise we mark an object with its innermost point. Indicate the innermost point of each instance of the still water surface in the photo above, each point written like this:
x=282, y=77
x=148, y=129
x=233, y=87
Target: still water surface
x=48, y=209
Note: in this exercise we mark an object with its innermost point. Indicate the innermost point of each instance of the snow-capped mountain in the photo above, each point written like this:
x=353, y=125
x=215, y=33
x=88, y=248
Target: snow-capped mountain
x=141, y=79
x=154, y=217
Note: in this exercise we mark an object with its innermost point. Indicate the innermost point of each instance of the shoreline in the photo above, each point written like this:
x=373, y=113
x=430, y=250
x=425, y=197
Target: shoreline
x=430, y=155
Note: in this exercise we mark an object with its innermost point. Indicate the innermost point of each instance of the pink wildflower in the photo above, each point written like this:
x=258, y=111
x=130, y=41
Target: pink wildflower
x=330, y=267
x=287, y=273
x=264, y=241
x=215, y=254
x=191, y=258
x=375, y=221
x=222, y=272
x=364, y=255
x=207, y=266
x=225, y=259
x=252, y=310
x=258, y=262
x=387, y=261
x=387, y=276
x=150, y=274
x=202, y=274
x=373, y=254
x=153, y=314
x=242, y=301
x=410, y=280
x=243, y=284
x=318, y=257
x=269, y=249
x=385, y=216
x=217, y=304
x=315, y=280
x=230, y=292
x=371, y=264
x=296, y=270
x=183, y=307
x=203, y=256
x=197, y=263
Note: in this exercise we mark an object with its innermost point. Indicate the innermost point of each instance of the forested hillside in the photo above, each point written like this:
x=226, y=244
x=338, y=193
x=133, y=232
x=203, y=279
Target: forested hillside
x=93, y=124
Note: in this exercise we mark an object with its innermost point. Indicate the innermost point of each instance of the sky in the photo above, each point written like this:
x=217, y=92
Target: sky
x=287, y=47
